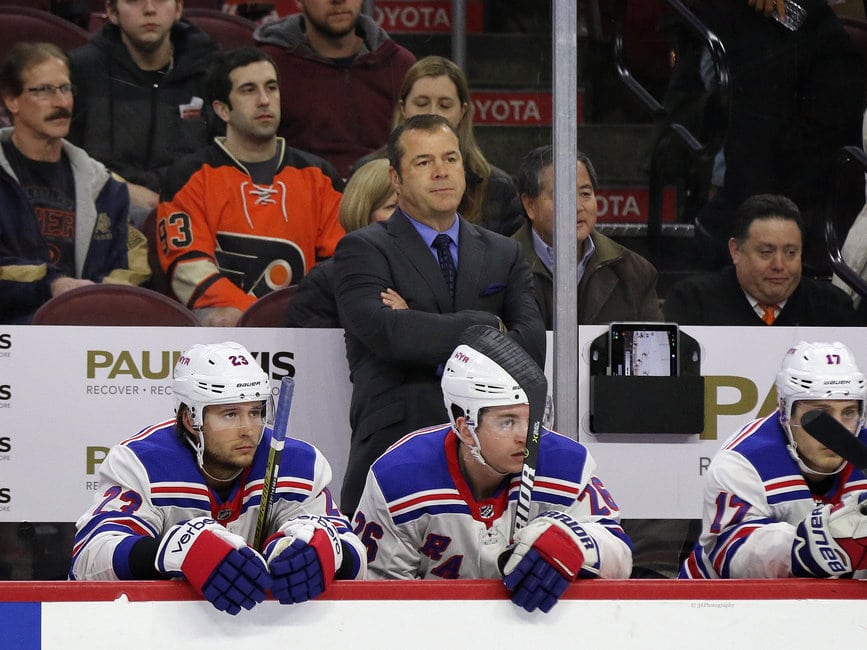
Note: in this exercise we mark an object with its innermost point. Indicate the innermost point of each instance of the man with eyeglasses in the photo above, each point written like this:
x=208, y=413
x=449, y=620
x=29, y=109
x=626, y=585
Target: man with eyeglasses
x=63, y=218
x=439, y=504
x=181, y=498
x=777, y=502
x=614, y=282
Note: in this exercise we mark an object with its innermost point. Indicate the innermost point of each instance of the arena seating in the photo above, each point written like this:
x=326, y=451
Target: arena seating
x=227, y=30
x=19, y=23
x=269, y=310
x=114, y=304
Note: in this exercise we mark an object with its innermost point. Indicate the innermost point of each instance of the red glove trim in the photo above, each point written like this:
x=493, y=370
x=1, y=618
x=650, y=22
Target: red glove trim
x=558, y=548
x=206, y=553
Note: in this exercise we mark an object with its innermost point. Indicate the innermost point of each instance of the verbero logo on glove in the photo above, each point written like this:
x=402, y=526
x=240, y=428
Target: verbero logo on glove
x=189, y=533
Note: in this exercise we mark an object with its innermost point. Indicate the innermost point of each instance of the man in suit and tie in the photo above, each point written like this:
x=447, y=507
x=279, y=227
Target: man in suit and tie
x=764, y=285
x=446, y=272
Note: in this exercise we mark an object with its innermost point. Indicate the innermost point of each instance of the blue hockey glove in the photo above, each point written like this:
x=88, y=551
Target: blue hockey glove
x=831, y=540
x=218, y=564
x=302, y=558
x=548, y=555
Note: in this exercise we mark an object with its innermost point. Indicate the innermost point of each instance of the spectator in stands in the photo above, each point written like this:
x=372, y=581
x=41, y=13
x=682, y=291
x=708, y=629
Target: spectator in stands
x=450, y=273
x=247, y=214
x=215, y=451
x=797, y=97
x=63, y=218
x=458, y=484
x=349, y=71
x=140, y=100
x=614, y=283
x=369, y=197
x=766, y=284
x=438, y=86
x=777, y=502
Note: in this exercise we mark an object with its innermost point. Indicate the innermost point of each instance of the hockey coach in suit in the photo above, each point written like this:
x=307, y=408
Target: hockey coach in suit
x=407, y=287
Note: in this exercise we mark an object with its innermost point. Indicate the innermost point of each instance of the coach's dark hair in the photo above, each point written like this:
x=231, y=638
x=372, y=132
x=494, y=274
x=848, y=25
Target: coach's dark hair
x=217, y=84
x=764, y=206
x=534, y=163
x=21, y=56
x=427, y=122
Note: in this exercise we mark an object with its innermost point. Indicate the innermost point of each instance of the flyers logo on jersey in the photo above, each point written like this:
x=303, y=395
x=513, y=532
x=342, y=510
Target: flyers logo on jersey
x=259, y=265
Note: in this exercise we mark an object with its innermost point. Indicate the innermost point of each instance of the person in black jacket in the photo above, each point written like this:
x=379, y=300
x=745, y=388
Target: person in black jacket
x=765, y=285
x=140, y=94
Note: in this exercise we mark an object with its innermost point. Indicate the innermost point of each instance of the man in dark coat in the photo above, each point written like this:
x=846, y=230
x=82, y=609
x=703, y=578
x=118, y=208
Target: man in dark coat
x=765, y=285
x=397, y=343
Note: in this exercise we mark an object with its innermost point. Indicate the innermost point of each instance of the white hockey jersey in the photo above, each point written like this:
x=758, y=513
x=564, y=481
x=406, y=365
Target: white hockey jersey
x=419, y=519
x=151, y=482
x=754, y=498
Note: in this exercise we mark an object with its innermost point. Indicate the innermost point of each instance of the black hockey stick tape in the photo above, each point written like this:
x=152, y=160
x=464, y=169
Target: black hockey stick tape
x=824, y=428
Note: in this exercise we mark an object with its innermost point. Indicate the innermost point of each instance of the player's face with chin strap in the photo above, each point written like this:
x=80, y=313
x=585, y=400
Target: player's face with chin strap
x=231, y=434
x=502, y=436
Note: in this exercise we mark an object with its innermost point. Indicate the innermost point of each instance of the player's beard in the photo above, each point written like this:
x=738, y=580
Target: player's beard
x=220, y=465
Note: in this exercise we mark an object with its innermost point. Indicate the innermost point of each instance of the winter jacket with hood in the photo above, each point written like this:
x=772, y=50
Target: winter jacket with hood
x=338, y=112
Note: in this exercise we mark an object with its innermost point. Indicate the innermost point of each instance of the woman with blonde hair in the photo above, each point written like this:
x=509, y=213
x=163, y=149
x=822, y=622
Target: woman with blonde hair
x=369, y=197
x=437, y=85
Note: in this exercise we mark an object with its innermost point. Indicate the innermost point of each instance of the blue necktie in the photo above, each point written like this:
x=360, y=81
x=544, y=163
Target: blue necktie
x=442, y=243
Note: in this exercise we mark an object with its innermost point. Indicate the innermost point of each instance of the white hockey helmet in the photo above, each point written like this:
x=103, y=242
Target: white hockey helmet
x=219, y=373
x=472, y=381
x=812, y=371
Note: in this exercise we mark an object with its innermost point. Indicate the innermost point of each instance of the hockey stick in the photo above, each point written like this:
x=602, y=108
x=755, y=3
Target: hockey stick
x=824, y=428
x=512, y=358
x=272, y=471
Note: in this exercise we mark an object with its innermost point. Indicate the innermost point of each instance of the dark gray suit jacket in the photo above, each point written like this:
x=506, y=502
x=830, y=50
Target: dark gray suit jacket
x=394, y=355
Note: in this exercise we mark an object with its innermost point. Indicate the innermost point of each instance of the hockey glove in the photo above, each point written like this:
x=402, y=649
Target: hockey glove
x=831, y=541
x=218, y=564
x=549, y=553
x=302, y=558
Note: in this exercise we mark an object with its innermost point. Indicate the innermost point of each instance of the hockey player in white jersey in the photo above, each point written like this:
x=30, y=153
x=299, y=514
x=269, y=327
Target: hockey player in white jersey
x=181, y=498
x=779, y=504
x=440, y=502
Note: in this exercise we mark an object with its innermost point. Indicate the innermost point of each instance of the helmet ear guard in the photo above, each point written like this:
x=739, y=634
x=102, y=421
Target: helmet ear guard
x=781, y=409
